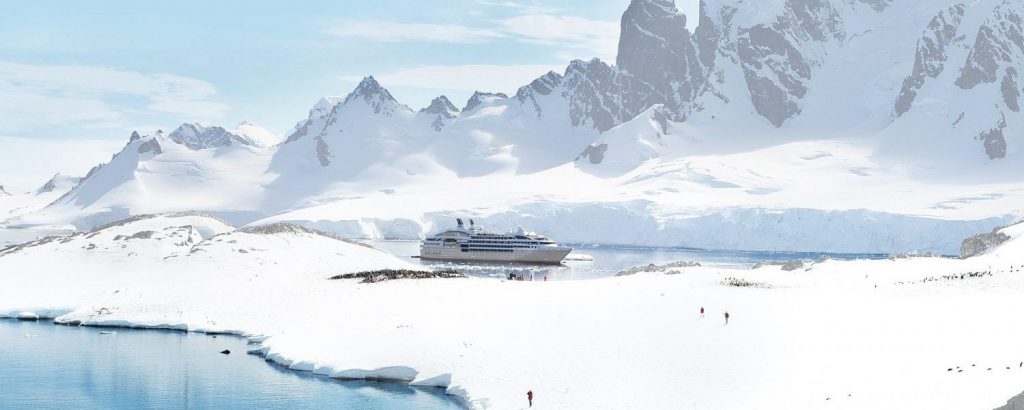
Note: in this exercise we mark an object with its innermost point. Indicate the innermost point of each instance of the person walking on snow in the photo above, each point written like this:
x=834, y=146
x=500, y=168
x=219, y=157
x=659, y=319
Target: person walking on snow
x=529, y=397
x=702, y=312
x=727, y=317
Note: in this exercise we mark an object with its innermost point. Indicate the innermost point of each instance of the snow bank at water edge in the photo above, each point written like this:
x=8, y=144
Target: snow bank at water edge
x=903, y=333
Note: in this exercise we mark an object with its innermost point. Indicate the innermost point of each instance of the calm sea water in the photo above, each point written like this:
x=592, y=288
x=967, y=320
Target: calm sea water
x=45, y=366
x=609, y=260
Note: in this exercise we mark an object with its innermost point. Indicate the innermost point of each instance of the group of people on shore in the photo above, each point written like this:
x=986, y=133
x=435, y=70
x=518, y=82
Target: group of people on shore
x=726, y=314
x=522, y=277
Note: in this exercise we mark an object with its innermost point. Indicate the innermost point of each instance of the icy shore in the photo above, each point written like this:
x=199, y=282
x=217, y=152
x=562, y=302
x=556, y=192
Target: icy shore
x=834, y=334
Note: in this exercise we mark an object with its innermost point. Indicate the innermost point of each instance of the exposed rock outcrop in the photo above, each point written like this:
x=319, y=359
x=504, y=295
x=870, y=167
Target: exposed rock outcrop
x=149, y=146
x=480, y=98
x=994, y=141
x=1000, y=41
x=656, y=48
x=981, y=243
x=542, y=86
x=441, y=110
x=931, y=55
x=197, y=137
x=378, y=98
x=602, y=96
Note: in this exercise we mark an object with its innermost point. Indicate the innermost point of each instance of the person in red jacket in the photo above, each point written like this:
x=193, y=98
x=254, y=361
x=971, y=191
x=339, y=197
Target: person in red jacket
x=529, y=397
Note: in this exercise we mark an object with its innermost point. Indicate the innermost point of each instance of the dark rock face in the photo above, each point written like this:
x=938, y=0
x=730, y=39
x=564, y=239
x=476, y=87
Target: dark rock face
x=198, y=137
x=994, y=141
x=1000, y=42
x=478, y=98
x=48, y=187
x=878, y=5
x=979, y=244
x=931, y=56
x=1015, y=403
x=594, y=153
x=774, y=66
x=657, y=268
x=152, y=146
x=442, y=110
x=373, y=94
x=395, y=274
x=441, y=106
x=1011, y=89
x=773, y=98
x=542, y=86
x=656, y=48
x=602, y=96
x=323, y=152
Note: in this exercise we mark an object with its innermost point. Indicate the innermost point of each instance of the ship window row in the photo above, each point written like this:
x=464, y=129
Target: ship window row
x=485, y=245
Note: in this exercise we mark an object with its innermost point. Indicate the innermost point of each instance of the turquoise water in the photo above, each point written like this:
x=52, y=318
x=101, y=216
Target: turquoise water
x=45, y=366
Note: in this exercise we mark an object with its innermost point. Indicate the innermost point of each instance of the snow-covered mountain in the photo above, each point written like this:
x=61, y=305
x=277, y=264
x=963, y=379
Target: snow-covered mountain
x=13, y=205
x=196, y=136
x=869, y=108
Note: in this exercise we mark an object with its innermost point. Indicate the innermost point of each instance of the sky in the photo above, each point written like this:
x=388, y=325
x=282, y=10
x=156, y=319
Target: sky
x=77, y=77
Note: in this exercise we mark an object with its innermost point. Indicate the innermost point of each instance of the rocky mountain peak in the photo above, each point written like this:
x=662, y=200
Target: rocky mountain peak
x=442, y=110
x=602, y=96
x=134, y=137
x=441, y=106
x=59, y=182
x=997, y=47
x=931, y=56
x=374, y=95
x=479, y=98
x=543, y=85
x=195, y=136
x=3, y=192
x=50, y=185
x=656, y=47
x=324, y=106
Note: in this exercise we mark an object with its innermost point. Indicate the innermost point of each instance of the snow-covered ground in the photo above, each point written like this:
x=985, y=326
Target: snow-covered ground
x=832, y=334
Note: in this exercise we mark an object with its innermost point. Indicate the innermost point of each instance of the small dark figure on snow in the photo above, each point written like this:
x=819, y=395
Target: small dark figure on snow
x=702, y=312
x=529, y=397
x=726, y=317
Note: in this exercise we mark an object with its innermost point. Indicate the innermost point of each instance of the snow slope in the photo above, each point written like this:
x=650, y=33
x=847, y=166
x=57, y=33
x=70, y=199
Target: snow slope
x=903, y=333
x=895, y=123
x=13, y=205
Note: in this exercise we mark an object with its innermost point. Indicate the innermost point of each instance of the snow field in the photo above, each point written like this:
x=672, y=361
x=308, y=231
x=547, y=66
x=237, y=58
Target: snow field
x=835, y=334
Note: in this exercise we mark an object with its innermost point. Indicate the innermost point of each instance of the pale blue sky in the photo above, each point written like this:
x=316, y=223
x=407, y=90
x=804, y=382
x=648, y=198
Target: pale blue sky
x=92, y=71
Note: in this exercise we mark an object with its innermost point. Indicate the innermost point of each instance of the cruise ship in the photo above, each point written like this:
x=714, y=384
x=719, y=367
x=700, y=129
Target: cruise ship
x=476, y=244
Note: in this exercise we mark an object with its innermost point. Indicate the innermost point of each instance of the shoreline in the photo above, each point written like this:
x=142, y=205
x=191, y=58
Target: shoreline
x=250, y=341
x=863, y=333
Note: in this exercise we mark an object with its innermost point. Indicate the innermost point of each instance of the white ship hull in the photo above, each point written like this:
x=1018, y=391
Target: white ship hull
x=546, y=255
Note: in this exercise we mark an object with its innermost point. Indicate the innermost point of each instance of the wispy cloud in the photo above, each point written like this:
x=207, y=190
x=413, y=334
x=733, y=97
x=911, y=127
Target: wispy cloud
x=525, y=7
x=26, y=163
x=468, y=77
x=577, y=36
x=600, y=38
x=34, y=96
x=392, y=31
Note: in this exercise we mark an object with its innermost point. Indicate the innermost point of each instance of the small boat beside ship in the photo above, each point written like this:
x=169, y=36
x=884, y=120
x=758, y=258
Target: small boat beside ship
x=476, y=244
